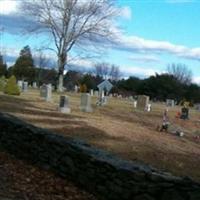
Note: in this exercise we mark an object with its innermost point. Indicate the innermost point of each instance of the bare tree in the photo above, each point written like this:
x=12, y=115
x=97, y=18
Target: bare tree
x=102, y=69
x=40, y=59
x=114, y=72
x=71, y=23
x=181, y=72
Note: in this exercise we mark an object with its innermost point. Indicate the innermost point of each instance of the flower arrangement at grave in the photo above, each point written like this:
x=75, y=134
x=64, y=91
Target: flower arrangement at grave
x=11, y=87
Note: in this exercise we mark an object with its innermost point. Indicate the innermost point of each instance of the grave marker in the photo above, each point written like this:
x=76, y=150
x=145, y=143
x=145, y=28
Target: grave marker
x=64, y=105
x=85, y=103
x=142, y=102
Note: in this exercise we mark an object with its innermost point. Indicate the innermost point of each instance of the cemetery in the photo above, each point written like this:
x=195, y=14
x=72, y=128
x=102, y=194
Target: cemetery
x=118, y=127
x=102, y=101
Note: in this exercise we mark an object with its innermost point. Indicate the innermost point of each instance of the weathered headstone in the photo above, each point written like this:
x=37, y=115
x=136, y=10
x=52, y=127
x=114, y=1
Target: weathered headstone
x=64, y=105
x=43, y=91
x=170, y=103
x=135, y=104
x=96, y=93
x=76, y=88
x=46, y=92
x=110, y=95
x=85, y=102
x=184, y=113
x=49, y=92
x=25, y=86
x=20, y=84
x=34, y=85
x=148, y=108
x=142, y=102
x=197, y=107
x=91, y=92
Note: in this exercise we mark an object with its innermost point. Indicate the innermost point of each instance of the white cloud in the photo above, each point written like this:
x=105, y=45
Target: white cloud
x=136, y=44
x=8, y=6
x=126, y=12
x=196, y=79
x=137, y=71
x=145, y=59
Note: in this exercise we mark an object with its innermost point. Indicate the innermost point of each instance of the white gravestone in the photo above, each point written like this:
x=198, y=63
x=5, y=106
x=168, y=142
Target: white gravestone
x=49, y=93
x=34, y=85
x=20, y=84
x=43, y=91
x=170, y=102
x=92, y=93
x=46, y=92
x=85, y=102
x=64, y=105
x=76, y=88
x=25, y=86
x=135, y=104
x=96, y=93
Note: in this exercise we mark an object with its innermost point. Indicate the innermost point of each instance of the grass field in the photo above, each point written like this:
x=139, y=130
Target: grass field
x=117, y=128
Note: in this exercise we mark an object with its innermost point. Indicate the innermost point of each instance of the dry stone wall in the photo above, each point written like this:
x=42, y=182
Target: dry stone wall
x=107, y=176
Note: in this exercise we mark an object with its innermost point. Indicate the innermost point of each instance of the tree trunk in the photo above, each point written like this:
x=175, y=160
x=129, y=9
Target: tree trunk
x=61, y=67
x=60, y=82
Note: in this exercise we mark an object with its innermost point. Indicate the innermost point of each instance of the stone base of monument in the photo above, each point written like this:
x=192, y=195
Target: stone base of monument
x=86, y=109
x=64, y=110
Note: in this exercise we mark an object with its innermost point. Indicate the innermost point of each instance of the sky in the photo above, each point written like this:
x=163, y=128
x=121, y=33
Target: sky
x=153, y=34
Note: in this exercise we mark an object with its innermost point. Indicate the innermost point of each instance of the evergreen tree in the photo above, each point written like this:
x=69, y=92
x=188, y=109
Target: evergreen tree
x=24, y=66
x=3, y=67
x=11, y=87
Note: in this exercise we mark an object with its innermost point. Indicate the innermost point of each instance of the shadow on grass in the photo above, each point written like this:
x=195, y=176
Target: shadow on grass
x=17, y=105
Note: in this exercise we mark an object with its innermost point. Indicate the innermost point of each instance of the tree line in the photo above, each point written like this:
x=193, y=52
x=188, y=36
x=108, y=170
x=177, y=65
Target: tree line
x=175, y=83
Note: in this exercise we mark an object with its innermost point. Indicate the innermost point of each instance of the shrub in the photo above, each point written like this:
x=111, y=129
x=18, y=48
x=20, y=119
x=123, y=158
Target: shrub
x=11, y=87
x=2, y=83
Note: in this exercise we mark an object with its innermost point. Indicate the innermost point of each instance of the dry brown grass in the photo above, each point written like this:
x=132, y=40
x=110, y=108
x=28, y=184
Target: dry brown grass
x=117, y=128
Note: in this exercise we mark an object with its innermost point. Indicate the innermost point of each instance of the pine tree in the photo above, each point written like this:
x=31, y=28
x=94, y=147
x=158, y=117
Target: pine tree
x=24, y=66
x=3, y=66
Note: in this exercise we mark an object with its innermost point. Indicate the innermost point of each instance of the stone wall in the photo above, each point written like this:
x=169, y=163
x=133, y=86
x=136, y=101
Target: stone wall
x=108, y=177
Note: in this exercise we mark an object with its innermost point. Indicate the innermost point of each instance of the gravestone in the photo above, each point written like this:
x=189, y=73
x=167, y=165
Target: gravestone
x=76, y=88
x=43, y=91
x=64, y=105
x=170, y=103
x=135, y=104
x=25, y=86
x=92, y=93
x=119, y=96
x=148, y=108
x=34, y=85
x=96, y=93
x=49, y=93
x=142, y=102
x=46, y=92
x=111, y=95
x=20, y=84
x=102, y=100
x=197, y=107
x=85, y=103
x=184, y=113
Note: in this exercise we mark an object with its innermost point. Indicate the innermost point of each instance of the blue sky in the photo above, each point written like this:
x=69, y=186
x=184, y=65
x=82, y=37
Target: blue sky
x=155, y=33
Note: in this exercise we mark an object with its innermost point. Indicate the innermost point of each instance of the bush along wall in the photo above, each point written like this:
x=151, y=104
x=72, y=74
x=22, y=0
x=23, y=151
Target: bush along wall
x=106, y=176
x=11, y=87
